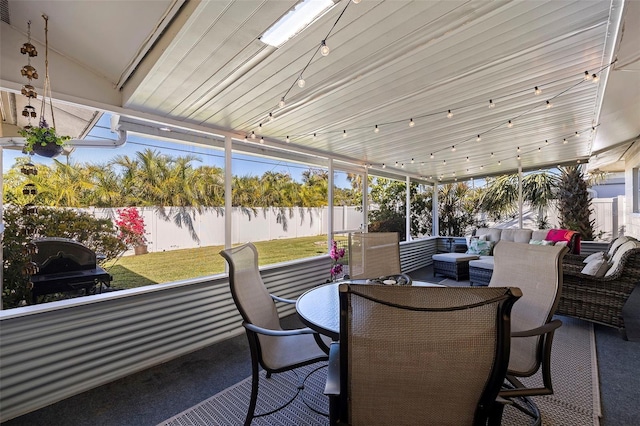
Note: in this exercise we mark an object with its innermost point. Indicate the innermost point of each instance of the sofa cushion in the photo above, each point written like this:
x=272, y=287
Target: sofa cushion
x=493, y=234
x=516, y=235
x=540, y=242
x=480, y=247
x=597, y=268
x=539, y=234
x=485, y=262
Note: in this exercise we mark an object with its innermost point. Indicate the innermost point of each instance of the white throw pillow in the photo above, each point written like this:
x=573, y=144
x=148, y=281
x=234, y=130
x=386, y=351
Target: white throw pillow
x=599, y=255
x=597, y=268
x=561, y=243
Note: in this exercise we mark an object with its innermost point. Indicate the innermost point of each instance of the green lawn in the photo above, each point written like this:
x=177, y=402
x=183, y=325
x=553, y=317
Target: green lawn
x=154, y=268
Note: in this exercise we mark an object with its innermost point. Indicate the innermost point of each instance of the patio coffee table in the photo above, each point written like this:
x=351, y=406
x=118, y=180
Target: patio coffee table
x=453, y=265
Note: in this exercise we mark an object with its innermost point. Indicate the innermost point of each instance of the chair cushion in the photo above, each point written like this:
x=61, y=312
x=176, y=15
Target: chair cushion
x=597, y=268
x=617, y=243
x=599, y=255
x=615, y=260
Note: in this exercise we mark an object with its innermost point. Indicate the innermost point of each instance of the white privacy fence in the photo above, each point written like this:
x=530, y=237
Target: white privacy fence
x=271, y=223
x=266, y=224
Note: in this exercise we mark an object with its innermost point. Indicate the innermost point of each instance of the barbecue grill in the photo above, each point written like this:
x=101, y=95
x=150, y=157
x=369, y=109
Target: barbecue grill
x=66, y=266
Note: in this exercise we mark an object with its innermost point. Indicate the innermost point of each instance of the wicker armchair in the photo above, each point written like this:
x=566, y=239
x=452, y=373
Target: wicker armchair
x=601, y=300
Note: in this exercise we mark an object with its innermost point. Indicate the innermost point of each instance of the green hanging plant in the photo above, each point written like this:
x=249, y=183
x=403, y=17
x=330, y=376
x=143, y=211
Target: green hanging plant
x=41, y=136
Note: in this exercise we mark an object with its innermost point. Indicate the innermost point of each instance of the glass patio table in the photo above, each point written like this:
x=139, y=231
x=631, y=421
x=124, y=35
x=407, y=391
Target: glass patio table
x=319, y=308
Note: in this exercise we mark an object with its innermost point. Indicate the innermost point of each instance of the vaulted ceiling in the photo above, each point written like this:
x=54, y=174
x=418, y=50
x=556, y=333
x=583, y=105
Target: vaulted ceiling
x=200, y=66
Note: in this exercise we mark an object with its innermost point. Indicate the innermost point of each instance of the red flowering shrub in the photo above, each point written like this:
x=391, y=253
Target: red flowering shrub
x=131, y=227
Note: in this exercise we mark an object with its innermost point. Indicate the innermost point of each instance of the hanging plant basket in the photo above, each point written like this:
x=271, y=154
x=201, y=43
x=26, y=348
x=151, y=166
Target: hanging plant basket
x=43, y=140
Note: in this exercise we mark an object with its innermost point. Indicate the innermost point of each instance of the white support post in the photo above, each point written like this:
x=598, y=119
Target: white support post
x=408, y=209
x=435, y=222
x=365, y=201
x=228, y=179
x=520, y=202
x=330, y=209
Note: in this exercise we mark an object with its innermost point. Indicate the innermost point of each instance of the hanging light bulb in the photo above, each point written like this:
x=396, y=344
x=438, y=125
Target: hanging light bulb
x=499, y=162
x=281, y=103
x=449, y=114
x=444, y=162
x=253, y=134
x=518, y=157
x=478, y=139
x=549, y=105
x=491, y=104
x=397, y=164
x=587, y=76
x=577, y=134
x=270, y=116
x=376, y=130
x=261, y=139
x=412, y=161
x=595, y=78
x=467, y=159
x=481, y=167
x=537, y=91
x=422, y=163
x=245, y=138
x=492, y=155
x=314, y=135
x=288, y=140
x=518, y=150
x=539, y=149
x=384, y=166
x=509, y=124
x=546, y=142
x=431, y=156
x=411, y=123
x=356, y=1
x=453, y=148
x=301, y=82
x=564, y=141
x=402, y=166
x=344, y=133
x=324, y=49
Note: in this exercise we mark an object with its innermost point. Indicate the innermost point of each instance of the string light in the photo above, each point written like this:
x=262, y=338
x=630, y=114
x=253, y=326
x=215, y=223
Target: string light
x=499, y=163
x=467, y=159
x=245, y=138
x=518, y=157
x=478, y=139
x=253, y=134
x=288, y=140
x=431, y=156
x=344, y=133
x=376, y=130
x=384, y=166
x=546, y=142
x=492, y=155
x=577, y=134
x=595, y=78
x=509, y=124
x=324, y=49
x=281, y=103
x=549, y=105
x=261, y=139
x=412, y=161
x=444, y=162
x=518, y=150
x=564, y=141
x=491, y=104
x=449, y=114
x=411, y=123
x=314, y=135
x=397, y=164
x=356, y=1
x=587, y=76
x=453, y=148
x=270, y=116
x=301, y=82
x=537, y=91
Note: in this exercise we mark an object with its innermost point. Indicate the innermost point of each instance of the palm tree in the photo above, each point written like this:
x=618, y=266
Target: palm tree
x=574, y=202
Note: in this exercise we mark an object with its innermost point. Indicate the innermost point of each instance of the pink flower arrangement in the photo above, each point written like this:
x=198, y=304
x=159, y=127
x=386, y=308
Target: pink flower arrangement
x=131, y=227
x=336, y=254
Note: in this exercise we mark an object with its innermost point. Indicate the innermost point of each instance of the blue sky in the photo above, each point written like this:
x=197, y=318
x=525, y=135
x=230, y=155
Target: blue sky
x=242, y=164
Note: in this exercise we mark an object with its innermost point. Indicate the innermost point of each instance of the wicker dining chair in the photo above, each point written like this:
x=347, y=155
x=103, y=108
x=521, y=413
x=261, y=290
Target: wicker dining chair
x=537, y=271
x=419, y=355
x=374, y=255
x=272, y=348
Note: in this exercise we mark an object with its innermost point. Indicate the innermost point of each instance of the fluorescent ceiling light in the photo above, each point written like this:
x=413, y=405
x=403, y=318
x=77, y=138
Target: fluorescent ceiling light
x=295, y=20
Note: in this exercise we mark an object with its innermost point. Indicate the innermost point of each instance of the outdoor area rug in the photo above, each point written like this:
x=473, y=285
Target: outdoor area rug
x=576, y=400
